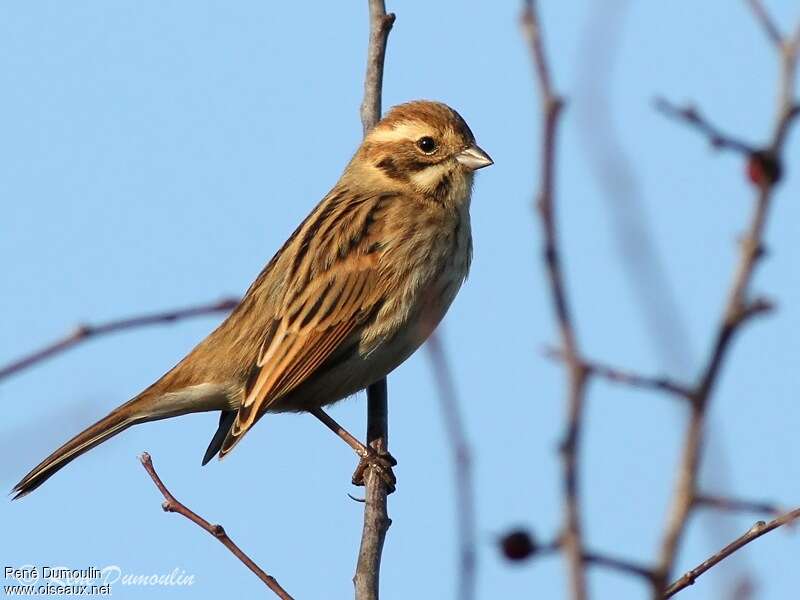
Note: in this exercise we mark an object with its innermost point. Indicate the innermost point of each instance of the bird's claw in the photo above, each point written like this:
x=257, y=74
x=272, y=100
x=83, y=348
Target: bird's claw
x=382, y=463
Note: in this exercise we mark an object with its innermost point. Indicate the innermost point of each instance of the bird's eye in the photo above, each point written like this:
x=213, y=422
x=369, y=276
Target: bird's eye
x=426, y=144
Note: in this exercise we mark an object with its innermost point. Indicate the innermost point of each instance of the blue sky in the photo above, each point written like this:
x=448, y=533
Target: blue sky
x=155, y=155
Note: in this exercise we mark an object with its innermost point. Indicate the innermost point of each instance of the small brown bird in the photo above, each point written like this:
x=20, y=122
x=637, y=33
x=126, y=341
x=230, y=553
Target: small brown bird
x=356, y=289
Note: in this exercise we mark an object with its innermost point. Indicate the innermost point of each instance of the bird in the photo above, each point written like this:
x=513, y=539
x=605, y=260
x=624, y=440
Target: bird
x=354, y=291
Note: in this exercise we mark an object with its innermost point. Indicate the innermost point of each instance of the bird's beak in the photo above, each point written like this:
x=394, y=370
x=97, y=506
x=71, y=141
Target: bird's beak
x=473, y=158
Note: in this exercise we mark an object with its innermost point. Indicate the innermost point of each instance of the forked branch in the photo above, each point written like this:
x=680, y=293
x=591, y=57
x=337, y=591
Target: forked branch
x=171, y=504
x=765, y=166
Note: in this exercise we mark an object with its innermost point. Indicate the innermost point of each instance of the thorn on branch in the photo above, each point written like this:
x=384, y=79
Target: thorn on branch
x=759, y=306
x=754, y=308
x=82, y=330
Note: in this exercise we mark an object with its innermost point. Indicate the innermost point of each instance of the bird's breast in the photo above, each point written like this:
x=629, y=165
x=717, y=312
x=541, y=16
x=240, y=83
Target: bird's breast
x=425, y=265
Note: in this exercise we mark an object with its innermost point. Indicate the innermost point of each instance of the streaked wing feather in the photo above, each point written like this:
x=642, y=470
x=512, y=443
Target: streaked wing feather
x=311, y=329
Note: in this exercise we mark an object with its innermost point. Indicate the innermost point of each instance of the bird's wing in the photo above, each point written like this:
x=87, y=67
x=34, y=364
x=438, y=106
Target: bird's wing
x=313, y=322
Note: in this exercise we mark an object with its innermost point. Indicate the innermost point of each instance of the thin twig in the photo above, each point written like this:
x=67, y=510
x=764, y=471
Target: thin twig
x=589, y=557
x=376, y=518
x=348, y=438
x=755, y=532
x=737, y=505
x=171, y=504
x=766, y=22
x=551, y=105
x=629, y=378
x=739, y=308
x=618, y=564
x=84, y=332
x=692, y=116
x=462, y=468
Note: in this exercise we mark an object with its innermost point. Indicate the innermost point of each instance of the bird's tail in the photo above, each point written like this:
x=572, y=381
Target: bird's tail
x=148, y=406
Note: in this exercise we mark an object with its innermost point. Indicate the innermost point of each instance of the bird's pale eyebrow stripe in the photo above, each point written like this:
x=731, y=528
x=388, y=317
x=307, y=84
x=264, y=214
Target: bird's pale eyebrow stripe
x=400, y=131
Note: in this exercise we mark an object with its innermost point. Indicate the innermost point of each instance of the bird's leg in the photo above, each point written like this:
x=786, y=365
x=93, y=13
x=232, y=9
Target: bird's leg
x=382, y=463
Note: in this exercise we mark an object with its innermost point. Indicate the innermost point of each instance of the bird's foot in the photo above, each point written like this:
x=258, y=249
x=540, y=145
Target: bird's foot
x=382, y=463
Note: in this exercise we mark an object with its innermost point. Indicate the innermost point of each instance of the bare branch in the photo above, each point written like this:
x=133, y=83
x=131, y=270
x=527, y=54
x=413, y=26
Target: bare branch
x=520, y=544
x=755, y=532
x=462, y=468
x=739, y=308
x=629, y=378
x=171, y=504
x=376, y=517
x=85, y=332
x=619, y=565
x=380, y=24
x=551, y=105
x=694, y=118
x=766, y=22
x=727, y=504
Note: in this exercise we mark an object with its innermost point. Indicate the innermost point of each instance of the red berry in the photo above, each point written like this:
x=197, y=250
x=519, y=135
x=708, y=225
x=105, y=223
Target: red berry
x=763, y=168
x=754, y=171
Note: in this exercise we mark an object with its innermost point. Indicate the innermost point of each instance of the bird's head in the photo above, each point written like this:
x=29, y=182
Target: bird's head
x=426, y=146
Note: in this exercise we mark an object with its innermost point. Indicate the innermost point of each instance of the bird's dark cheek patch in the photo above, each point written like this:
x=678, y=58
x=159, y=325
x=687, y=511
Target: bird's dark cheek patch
x=391, y=169
x=442, y=189
x=415, y=166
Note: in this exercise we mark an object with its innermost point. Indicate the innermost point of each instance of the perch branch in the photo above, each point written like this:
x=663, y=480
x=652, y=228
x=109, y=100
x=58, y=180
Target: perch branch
x=376, y=518
x=577, y=373
x=171, y=504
